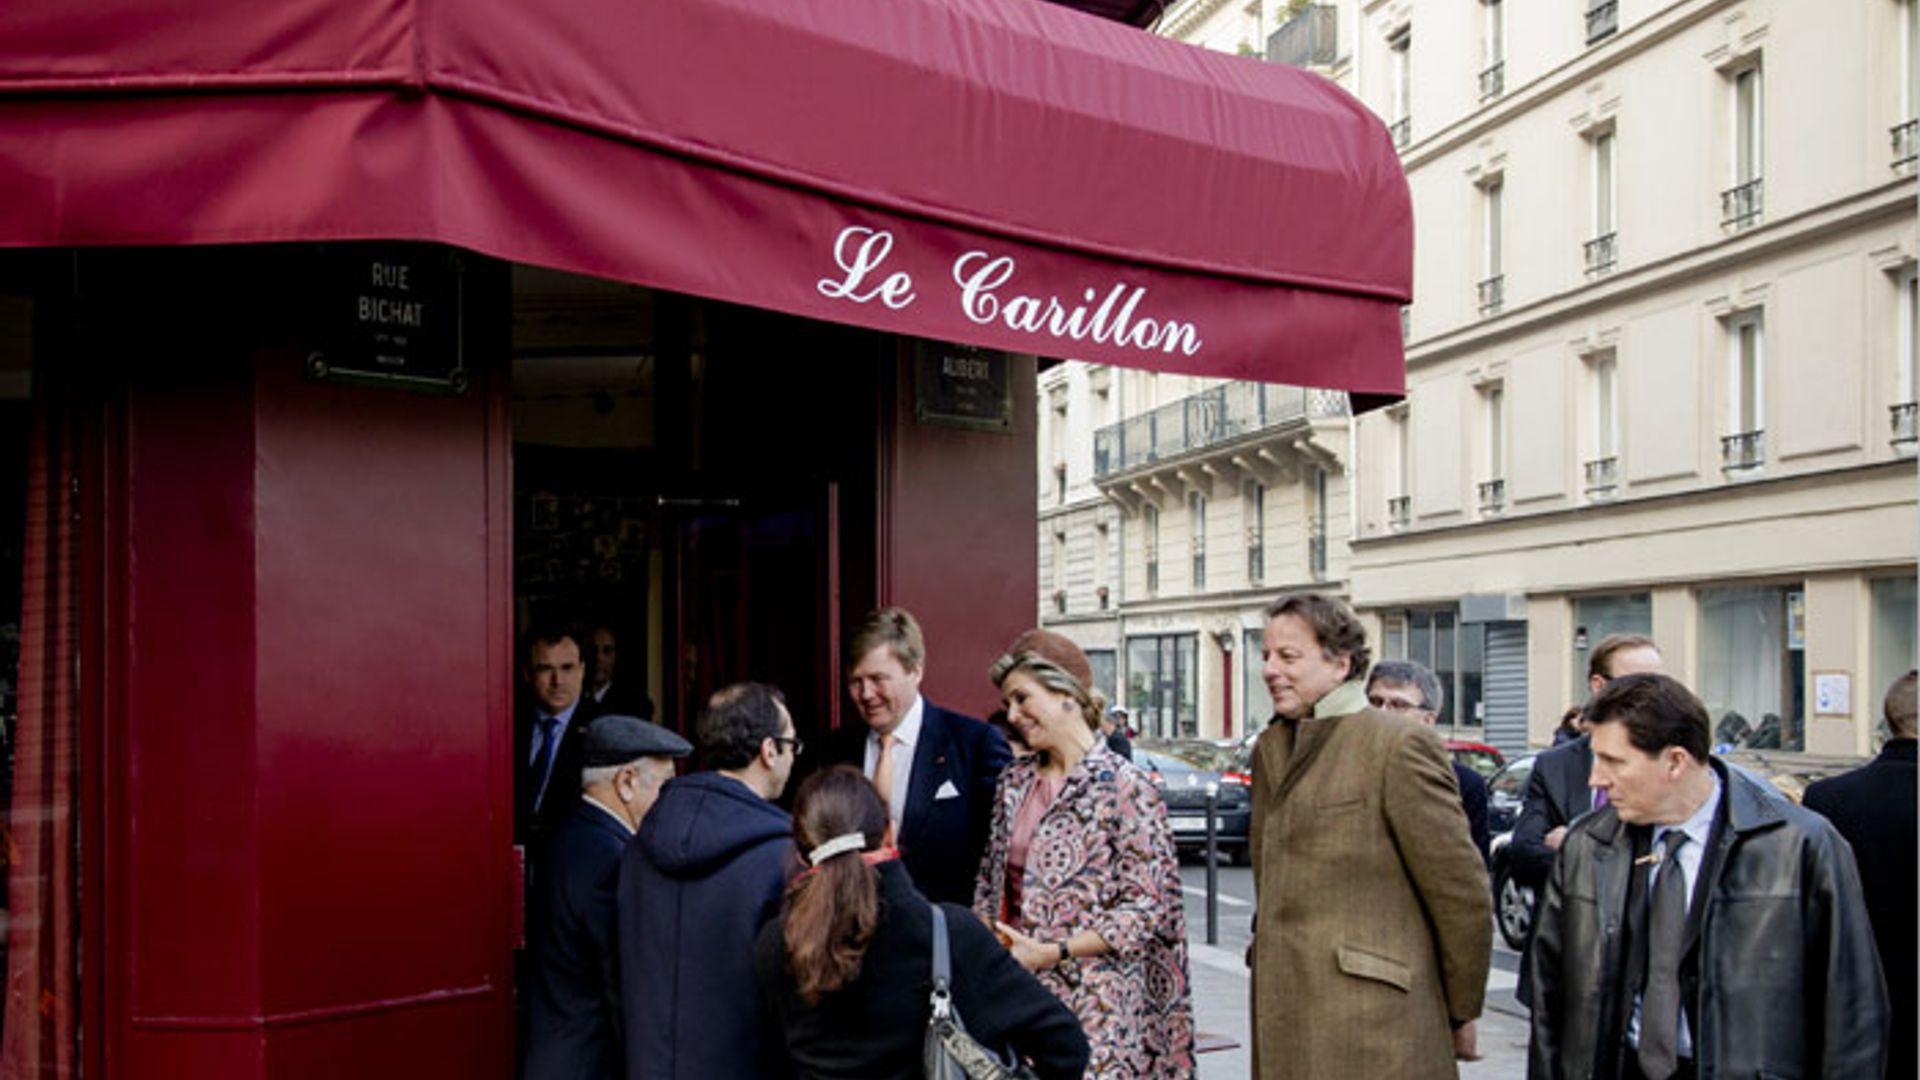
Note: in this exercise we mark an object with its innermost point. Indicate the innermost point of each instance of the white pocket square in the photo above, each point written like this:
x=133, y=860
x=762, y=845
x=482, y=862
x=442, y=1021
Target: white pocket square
x=946, y=790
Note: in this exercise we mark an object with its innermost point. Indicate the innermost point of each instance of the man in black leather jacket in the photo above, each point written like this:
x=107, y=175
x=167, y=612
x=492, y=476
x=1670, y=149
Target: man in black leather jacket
x=1777, y=976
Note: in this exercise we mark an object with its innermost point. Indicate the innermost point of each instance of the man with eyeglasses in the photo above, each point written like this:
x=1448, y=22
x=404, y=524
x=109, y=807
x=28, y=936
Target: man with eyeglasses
x=702, y=876
x=1413, y=691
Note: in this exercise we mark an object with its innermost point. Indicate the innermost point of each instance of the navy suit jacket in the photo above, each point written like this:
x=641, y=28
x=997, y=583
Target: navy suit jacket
x=942, y=840
x=1556, y=795
x=573, y=1006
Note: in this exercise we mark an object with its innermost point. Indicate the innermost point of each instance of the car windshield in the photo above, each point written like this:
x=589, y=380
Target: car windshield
x=1512, y=779
x=1184, y=757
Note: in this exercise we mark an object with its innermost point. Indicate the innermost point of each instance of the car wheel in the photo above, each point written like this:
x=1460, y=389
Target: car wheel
x=1512, y=909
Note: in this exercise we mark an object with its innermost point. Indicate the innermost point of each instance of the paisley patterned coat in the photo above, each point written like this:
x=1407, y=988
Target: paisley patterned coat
x=1103, y=859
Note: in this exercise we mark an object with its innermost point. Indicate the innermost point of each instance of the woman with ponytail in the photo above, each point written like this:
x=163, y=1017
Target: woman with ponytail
x=847, y=968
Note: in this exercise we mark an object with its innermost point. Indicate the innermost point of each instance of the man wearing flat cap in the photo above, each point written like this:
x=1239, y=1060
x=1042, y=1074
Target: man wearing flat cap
x=573, y=1004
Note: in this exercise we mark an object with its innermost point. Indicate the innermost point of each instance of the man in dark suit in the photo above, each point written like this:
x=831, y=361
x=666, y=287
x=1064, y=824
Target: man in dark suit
x=571, y=990
x=1873, y=807
x=1557, y=794
x=936, y=770
x=628, y=696
x=1411, y=689
x=547, y=734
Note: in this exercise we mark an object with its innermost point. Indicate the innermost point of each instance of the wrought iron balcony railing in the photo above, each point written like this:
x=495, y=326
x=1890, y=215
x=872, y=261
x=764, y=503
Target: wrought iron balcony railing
x=1225, y=412
x=1402, y=132
x=1493, y=294
x=1493, y=81
x=1743, y=452
x=1601, y=253
x=1399, y=512
x=1906, y=424
x=1740, y=206
x=1309, y=39
x=1603, y=19
x=1493, y=497
x=1603, y=476
x=1906, y=145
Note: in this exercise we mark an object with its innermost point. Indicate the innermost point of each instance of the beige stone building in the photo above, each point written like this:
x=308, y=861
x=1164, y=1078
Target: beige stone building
x=1661, y=362
x=1662, y=368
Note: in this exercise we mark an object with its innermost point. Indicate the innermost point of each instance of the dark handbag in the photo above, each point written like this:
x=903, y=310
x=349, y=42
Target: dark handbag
x=951, y=1053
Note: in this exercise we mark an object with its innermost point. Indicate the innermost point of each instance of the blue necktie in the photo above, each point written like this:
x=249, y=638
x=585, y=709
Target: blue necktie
x=544, y=763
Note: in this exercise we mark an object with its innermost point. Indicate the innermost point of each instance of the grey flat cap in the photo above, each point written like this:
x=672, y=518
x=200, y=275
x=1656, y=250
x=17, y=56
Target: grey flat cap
x=616, y=740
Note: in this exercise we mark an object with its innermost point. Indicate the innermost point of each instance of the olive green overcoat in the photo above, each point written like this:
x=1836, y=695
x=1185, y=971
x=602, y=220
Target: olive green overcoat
x=1374, y=925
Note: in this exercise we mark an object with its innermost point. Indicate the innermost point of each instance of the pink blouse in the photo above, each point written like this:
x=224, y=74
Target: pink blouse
x=1020, y=838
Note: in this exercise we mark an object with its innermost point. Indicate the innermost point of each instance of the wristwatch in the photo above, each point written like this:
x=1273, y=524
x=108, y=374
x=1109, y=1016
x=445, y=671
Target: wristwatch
x=1066, y=954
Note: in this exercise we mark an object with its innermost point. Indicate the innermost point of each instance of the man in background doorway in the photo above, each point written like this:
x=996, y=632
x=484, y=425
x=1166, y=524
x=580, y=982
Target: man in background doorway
x=935, y=769
x=550, y=725
x=628, y=696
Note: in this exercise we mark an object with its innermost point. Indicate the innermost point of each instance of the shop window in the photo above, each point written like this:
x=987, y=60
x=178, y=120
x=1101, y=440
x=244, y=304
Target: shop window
x=1752, y=642
x=1893, y=638
x=1433, y=639
x=1258, y=703
x=1102, y=662
x=1161, y=690
x=1594, y=618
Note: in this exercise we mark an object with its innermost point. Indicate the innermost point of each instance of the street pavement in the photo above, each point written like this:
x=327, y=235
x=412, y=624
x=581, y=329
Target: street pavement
x=1220, y=986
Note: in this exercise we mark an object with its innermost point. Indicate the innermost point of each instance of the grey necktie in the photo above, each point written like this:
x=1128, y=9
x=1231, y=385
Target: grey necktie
x=1666, y=937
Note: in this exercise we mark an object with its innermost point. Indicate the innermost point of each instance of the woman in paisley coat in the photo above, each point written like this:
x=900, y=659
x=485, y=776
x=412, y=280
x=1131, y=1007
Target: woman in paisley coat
x=1080, y=876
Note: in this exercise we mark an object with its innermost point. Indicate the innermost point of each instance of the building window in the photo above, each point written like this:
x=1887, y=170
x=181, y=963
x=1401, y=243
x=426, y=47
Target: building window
x=1892, y=638
x=1743, y=448
x=1603, y=250
x=1150, y=537
x=1906, y=134
x=1400, y=104
x=1161, y=685
x=1493, y=489
x=1197, y=522
x=1603, y=18
x=1493, y=286
x=1493, y=50
x=1741, y=204
x=1752, y=641
x=1102, y=535
x=1603, y=468
x=1400, y=503
x=1432, y=638
x=1256, y=532
x=1057, y=443
x=1317, y=527
x=1906, y=427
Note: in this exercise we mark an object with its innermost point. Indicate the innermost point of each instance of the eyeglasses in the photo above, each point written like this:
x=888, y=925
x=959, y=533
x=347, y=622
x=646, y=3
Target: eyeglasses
x=1381, y=701
x=799, y=745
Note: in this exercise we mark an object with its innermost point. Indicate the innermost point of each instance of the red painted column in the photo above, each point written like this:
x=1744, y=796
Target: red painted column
x=958, y=537
x=308, y=795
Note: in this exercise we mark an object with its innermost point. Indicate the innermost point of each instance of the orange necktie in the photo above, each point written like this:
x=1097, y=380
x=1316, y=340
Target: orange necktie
x=883, y=772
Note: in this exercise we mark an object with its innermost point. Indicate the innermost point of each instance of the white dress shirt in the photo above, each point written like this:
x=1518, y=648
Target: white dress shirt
x=905, y=737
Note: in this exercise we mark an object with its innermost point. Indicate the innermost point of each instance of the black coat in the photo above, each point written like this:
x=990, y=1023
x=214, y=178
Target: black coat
x=943, y=836
x=1556, y=795
x=532, y=825
x=572, y=994
x=1874, y=808
x=1473, y=799
x=874, y=1028
x=1780, y=977
x=697, y=883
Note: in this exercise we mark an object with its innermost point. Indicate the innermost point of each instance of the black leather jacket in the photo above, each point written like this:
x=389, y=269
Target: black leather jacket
x=1785, y=981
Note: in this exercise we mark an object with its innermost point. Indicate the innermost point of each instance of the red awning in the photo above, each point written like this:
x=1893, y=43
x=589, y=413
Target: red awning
x=999, y=172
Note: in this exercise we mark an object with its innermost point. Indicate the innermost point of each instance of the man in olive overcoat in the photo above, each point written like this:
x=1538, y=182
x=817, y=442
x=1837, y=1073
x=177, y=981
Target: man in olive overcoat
x=1375, y=927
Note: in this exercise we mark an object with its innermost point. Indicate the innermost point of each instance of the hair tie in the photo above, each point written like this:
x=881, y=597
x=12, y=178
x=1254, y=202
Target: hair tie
x=839, y=845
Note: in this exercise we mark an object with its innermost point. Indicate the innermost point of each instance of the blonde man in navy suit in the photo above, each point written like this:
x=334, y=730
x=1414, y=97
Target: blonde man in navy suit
x=935, y=769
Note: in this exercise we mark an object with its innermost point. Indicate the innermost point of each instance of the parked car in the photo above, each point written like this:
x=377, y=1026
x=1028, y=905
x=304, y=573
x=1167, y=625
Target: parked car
x=1182, y=769
x=1478, y=756
x=1512, y=899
